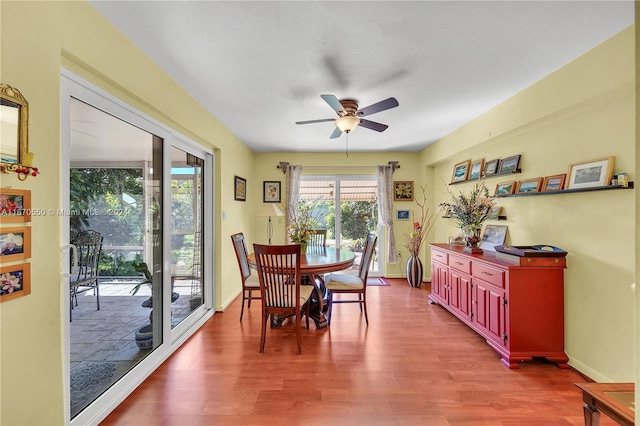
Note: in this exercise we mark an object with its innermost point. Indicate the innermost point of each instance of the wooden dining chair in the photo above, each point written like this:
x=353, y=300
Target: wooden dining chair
x=338, y=282
x=250, y=282
x=282, y=294
x=318, y=239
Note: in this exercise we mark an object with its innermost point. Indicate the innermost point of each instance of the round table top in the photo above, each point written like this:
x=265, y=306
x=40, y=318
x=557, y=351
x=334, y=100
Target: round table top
x=322, y=260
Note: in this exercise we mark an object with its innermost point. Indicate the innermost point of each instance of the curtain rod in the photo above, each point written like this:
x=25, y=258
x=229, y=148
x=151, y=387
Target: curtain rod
x=394, y=165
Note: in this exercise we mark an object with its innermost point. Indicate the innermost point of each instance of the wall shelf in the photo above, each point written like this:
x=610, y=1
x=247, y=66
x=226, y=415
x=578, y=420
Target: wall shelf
x=567, y=191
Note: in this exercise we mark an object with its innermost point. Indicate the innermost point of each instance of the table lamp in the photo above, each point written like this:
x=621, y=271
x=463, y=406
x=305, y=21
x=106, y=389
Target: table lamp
x=269, y=210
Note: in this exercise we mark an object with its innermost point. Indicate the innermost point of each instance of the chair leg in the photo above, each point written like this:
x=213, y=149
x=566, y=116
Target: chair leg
x=298, y=334
x=97, y=294
x=360, y=299
x=265, y=318
x=243, y=300
x=330, y=309
x=250, y=297
x=364, y=303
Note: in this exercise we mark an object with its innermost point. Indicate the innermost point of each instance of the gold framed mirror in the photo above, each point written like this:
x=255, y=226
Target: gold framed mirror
x=14, y=119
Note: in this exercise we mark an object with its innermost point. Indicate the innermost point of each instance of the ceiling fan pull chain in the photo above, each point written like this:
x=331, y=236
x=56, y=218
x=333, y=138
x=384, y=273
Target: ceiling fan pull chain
x=347, y=145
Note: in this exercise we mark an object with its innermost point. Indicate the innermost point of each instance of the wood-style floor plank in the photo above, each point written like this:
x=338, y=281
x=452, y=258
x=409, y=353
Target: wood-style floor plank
x=414, y=364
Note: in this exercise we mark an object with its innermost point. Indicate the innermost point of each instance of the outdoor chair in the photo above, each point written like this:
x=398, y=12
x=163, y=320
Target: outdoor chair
x=86, y=249
x=282, y=294
x=338, y=282
x=318, y=241
x=250, y=283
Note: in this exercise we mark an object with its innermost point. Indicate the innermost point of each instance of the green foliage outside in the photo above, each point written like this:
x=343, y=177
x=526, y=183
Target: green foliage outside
x=358, y=218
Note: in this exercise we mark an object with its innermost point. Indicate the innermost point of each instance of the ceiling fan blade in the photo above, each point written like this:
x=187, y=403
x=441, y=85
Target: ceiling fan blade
x=322, y=120
x=379, y=106
x=336, y=133
x=378, y=127
x=333, y=102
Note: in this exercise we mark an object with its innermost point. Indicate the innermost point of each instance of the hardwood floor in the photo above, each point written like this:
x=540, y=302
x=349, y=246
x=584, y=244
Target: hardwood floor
x=415, y=364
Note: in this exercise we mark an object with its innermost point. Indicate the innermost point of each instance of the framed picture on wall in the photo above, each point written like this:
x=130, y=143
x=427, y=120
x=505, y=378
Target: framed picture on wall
x=402, y=215
x=505, y=188
x=590, y=174
x=460, y=171
x=15, y=281
x=15, y=205
x=554, y=183
x=491, y=167
x=529, y=185
x=510, y=164
x=477, y=167
x=271, y=192
x=240, y=189
x=403, y=190
x=15, y=243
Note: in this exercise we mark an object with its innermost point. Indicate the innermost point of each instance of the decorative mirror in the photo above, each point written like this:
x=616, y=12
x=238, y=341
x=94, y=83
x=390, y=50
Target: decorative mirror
x=14, y=116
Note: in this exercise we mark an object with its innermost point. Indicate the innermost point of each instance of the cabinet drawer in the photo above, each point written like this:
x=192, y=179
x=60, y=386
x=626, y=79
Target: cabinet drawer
x=490, y=275
x=439, y=256
x=460, y=263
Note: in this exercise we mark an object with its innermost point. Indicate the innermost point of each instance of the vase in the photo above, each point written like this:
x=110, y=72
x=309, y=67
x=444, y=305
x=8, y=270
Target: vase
x=472, y=240
x=303, y=247
x=414, y=271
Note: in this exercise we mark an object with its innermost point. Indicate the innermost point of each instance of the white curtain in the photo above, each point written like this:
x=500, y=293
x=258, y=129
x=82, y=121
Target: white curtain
x=385, y=208
x=292, y=186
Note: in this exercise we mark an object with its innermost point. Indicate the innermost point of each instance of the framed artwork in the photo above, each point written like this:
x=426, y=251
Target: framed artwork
x=505, y=188
x=240, y=189
x=476, y=169
x=493, y=235
x=495, y=212
x=15, y=281
x=402, y=215
x=460, y=171
x=491, y=167
x=590, y=174
x=15, y=243
x=403, y=190
x=529, y=185
x=509, y=164
x=15, y=205
x=271, y=192
x=554, y=183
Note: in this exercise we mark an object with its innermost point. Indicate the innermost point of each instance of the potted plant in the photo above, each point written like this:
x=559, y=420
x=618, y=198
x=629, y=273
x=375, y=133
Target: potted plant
x=470, y=211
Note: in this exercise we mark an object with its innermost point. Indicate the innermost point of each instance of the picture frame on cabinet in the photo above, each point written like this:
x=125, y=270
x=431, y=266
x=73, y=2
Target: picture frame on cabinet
x=403, y=215
x=15, y=205
x=476, y=169
x=271, y=191
x=15, y=243
x=16, y=281
x=509, y=164
x=403, y=190
x=505, y=188
x=590, y=174
x=493, y=235
x=554, y=183
x=529, y=185
x=491, y=167
x=240, y=189
x=460, y=171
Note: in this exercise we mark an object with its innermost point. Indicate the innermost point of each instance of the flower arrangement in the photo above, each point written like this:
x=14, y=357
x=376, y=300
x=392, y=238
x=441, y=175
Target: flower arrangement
x=470, y=211
x=421, y=227
x=302, y=223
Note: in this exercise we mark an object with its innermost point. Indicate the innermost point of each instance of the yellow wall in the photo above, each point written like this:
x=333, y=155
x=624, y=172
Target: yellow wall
x=584, y=111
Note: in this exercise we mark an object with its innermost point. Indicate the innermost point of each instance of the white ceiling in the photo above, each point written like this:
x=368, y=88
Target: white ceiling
x=261, y=66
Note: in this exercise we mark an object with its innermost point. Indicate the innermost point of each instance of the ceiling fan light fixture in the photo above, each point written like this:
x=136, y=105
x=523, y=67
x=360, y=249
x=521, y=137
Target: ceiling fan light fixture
x=347, y=123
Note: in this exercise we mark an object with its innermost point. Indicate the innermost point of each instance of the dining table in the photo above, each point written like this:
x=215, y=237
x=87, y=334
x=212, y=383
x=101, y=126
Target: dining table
x=316, y=262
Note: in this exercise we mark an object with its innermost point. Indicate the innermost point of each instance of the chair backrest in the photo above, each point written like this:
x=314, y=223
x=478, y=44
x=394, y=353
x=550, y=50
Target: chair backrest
x=318, y=238
x=85, y=253
x=367, y=256
x=279, y=274
x=240, y=248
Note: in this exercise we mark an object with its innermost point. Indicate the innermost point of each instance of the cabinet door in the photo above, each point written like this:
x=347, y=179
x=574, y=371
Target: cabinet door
x=479, y=302
x=460, y=299
x=439, y=284
x=496, y=316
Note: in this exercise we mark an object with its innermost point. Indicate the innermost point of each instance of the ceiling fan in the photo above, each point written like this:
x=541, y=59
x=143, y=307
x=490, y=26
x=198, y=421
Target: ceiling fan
x=349, y=116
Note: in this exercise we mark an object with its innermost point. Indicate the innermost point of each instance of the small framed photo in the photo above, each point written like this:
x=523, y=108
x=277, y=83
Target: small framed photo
x=493, y=235
x=476, y=170
x=510, y=164
x=240, y=189
x=491, y=167
x=402, y=215
x=529, y=185
x=403, y=190
x=505, y=188
x=495, y=213
x=590, y=174
x=15, y=281
x=15, y=243
x=15, y=205
x=554, y=183
x=271, y=192
x=460, y=171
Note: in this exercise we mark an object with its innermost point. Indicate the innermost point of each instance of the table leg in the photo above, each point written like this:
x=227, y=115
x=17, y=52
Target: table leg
x=591, y=415
x=318, y=301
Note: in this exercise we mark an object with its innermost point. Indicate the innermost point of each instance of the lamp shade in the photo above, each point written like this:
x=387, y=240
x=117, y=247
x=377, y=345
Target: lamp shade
x=347, y=123
x=270, y=209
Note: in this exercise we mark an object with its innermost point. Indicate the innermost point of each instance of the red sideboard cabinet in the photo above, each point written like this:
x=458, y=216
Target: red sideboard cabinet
x=518, y=309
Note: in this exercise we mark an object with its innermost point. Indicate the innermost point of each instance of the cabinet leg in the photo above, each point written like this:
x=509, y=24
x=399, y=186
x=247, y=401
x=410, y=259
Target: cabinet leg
x=591, y=415
x=560, y=360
